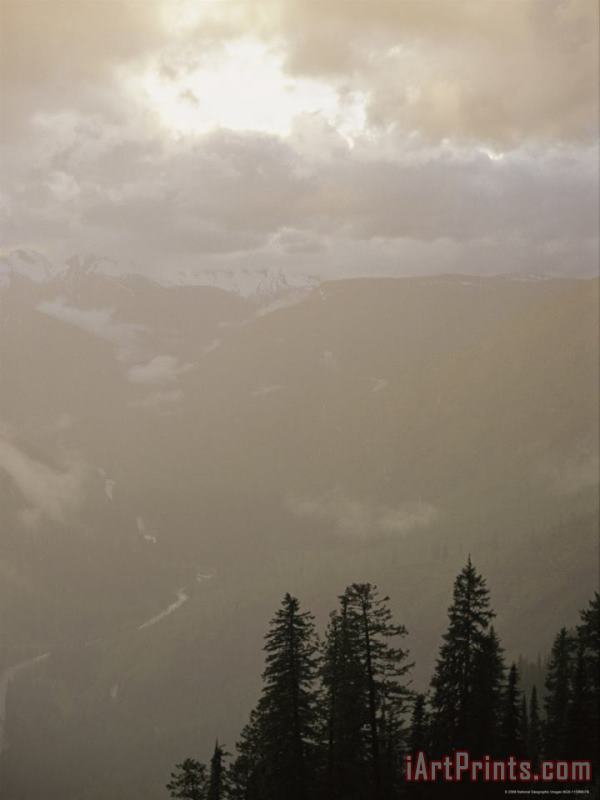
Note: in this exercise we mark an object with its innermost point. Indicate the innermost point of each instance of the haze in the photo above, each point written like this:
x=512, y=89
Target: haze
x=340, y=138
x=293, y=294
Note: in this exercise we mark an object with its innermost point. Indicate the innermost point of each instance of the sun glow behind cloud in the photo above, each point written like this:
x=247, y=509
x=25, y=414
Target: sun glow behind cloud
x=401, y=137
x=243, y=87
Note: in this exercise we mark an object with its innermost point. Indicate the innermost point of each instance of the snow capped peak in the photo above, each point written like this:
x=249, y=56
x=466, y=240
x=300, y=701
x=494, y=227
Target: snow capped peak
x=27, y=264
x=248, y=283
x=256, y=284
x=90, y=264
x=37, y=268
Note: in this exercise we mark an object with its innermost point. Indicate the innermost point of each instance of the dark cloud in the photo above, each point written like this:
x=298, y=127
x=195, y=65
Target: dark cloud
x=234, y=192
x=498, y=72
x=475, y=155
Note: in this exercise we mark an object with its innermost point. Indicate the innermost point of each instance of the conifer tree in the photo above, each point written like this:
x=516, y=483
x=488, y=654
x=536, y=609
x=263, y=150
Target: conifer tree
x=365, y=697
x=418, y=740
x=189, y=781
x=419, y=725
x=459, y=665
x=588, y=633
x=245, y=775
x=217, y=781
x=345, y=709
x=385, y=666
x=392, y=744
x=511, y=721
x=524, y=724
x=558, y=695
x=534, y=740
x=277, y=748
x=488, y=679
x=579, y=720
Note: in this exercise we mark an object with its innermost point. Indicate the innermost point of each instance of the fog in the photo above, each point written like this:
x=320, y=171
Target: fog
x=292, y=296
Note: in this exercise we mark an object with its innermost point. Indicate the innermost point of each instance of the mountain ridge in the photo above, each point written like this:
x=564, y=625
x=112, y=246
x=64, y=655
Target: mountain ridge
x=257, y=283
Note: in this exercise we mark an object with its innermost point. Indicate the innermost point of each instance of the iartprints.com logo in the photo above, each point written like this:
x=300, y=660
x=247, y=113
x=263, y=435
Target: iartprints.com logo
x=460, y=766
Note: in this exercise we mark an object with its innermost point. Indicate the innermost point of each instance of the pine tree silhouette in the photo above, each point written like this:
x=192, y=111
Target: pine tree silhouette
x=511, y=720
x=345, y=709
x=419, y=725
x=245, y=775
x=189, y=781
x=458, y=668
x=385, y=666
x=488, y=679
x=365, y=697
x=588, y=633
x=534, y=739
x=217, y=781
x=558, y=696
x=579, y=710
x=524, y=725
x=278, y=748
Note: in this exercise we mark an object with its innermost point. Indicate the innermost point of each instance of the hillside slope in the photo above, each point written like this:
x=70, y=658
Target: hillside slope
x=169, y=449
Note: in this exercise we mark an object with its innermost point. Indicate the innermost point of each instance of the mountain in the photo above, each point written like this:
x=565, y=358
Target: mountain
x=259, y=283
x=27, y=264
x=247, y=283
x=165, y=449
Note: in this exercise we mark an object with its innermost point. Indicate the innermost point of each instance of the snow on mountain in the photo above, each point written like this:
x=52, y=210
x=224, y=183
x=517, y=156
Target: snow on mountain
x=28, y=264
x=36, y=267
x=90, y=264
x=247, y=283
x=259, y=284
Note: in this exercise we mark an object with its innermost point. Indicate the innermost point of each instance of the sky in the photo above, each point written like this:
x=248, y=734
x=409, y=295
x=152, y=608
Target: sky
x=338, y=137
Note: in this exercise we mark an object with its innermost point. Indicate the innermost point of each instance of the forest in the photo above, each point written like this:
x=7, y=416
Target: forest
x=337, y=714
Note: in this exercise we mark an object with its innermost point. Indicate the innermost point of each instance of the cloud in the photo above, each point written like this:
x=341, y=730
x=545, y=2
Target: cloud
x=160, y=369
x=49, y=492
x=329, y=360
x=261, y=391
x=246, y=197
x=228, y=193
x=357, y=519
x=477, y=70
x=42, y=41
x=407, y=518
x=462, y=136
x=213, y=345
x=158, y=400
x=474, y=70
x=579, y=472
x=378, y=385
x=99, y=322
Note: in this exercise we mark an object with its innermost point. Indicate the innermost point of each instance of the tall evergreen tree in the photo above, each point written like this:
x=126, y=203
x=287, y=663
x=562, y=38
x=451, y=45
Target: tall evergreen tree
x=345, y=709
x=511, y=721
x=419, y=725
x=588, y=633
x=277, y=750
x=488, y=680
x=189, y=781
x=385, y=666
x=558, y=695
x=458, y=667
x=579, y=716
x=245, y=775
x=524, y=724
x=419, y=740
x=217, y=781
x=534, y=739
x=363, y=677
